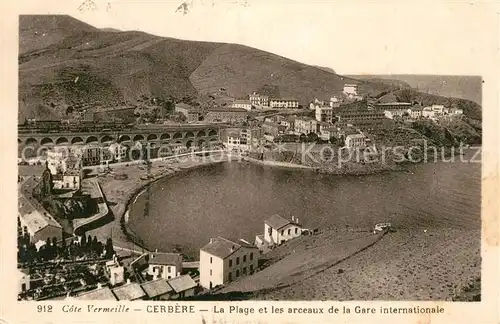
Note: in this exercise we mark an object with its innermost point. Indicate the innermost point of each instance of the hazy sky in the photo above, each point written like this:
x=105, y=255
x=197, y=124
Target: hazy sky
x=352, y=37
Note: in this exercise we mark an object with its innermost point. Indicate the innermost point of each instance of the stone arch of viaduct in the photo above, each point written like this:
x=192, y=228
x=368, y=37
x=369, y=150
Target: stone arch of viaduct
x=186, y=137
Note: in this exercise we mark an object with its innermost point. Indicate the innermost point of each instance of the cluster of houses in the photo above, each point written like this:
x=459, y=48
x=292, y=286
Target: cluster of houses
x=237, y=111
x=164, y=276
x=409, y=111
x=158, y=277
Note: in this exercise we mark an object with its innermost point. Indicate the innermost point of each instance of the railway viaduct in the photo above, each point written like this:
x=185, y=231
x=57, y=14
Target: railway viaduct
x=187, y=135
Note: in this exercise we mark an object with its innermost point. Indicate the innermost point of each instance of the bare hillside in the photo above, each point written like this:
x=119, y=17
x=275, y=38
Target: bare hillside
x=79, y=66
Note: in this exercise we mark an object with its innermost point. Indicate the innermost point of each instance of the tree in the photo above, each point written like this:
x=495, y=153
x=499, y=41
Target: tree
x=302, y=137
x=109, y=248
x=312, y=137
x=89, y=241
x=83, y=242
x=334, y=140
x=406, y=95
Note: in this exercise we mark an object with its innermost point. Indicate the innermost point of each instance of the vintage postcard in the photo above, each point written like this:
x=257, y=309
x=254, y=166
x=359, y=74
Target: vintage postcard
x=250, y=161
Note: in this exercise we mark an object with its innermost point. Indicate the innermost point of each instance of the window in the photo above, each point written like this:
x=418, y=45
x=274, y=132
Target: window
x=237, y=260
x=230, y=277
x=282, y=232
x=289, y=231
x=244, y=258
x=230, y=262
x=210, y=260
x=210, y=271
x=251, y=256
x=169, y=269
x=251, y=267
x=296, y=230
x=244, y=271
x=237, y=273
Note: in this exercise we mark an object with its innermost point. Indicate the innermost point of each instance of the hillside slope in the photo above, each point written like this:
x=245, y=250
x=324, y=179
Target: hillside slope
x=40, y=31
x=463, y=87
x=80, y=66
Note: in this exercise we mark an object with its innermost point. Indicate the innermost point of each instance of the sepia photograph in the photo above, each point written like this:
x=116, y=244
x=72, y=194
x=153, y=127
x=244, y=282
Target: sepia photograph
x=157, y=164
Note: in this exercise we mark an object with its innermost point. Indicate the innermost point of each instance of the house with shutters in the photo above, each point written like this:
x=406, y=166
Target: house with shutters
x=223, y=260
x=278, y=230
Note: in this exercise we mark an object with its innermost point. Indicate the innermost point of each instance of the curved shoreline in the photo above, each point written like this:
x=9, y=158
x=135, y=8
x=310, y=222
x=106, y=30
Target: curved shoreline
x=132, y=237
x=134, y=195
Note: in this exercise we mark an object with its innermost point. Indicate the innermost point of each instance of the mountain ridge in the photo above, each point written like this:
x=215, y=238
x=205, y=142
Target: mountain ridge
x=80, y=65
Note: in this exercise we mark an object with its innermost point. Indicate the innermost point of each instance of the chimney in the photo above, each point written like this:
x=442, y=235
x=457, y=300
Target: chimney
x=211, y=240
x=178, y=273
x=99, y=285
x=232, y=248
x=293, y=218
x=297, y=220
x=128, y=281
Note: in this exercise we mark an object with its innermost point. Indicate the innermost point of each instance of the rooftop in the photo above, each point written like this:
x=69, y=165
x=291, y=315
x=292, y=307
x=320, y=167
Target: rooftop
x=283, y=99
x=129, y=291
x=97, y=294
x=165, y=258
x=394, y=104
x=277, y=222
x=156, y=287
x=184, y=106
x=33, y=218
x=356, y=136
x=241, y=101
x=181, y=283
x=228, y=109
x=222, y=247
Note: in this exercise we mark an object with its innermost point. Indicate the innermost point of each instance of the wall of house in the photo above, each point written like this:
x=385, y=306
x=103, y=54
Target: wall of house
x=116, y=275
x=294, y=230
x=267, y=235
x=217, y=267
x=24, y=282
x=242, y=267
x=163, y=271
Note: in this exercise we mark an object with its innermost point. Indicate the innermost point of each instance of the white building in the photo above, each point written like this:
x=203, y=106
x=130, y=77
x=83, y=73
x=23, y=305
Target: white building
x=350, y=89
x=56, y=160
x=115, y=272
x=164, y=265
x=355, y=140
x=439, y=110
x=237, y=143
x=23, y=280
x=245, y=104
x=415, y=112
x=70, y=180
x=324, y=114
x=278, y=230
x=223, y=260
x=427, y=112
x=118, y=152
x=284, y=103
x=305, y=125
x=259, y=100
